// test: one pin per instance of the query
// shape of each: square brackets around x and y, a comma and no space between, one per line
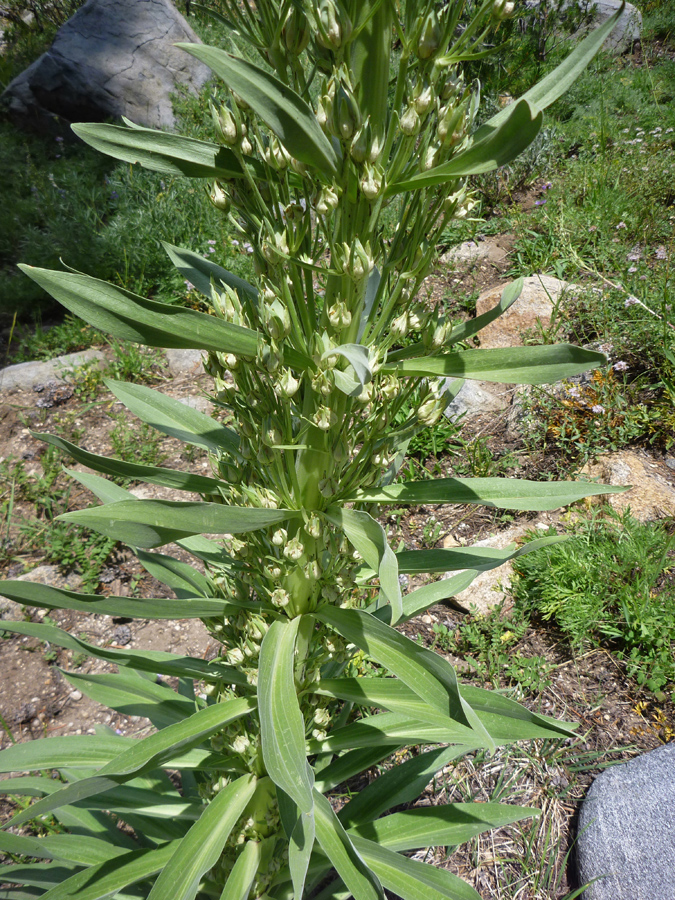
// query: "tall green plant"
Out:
[315,361]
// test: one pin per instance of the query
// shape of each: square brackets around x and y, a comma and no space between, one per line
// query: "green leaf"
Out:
[202,846]
[130,317]
[480,558]
[400,784]
[241,878]
[513,365]
[508,721]
[342,768]
[201,272]
[152,523]
[181,481]
[183,579]
[106,491]
[411,879]
[46,597]
[108,878]
[431,677]
[42,875]
[497,493]
[178,420]
[156,661]
[160,151]
[359,360]
[472,326]
[370,540]
[395,731]
[339,848]
[74,751]
[497,145]
[440,826]
[300,849]
[280,108]
[418,601]
[557,82]
[144,755]
[282,727]
[133,695]
[83,850]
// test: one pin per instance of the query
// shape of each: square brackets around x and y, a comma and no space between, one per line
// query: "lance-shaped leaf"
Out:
[282,727]
[421,599]
[496,493]
[143,755]
[47,597]
[170,416]
[202,272]
[359,360]
[514,365]
[181,481]
[202,846]
[430,676]
[240,880]
[81,849]
[130,317]
[183,579]
[440,826]
[300,848]
[497,146]
[37,875]
[161,151]
[156,661]
[411,879]
[557,82]
[280,108]
[81,751]
[370,540]
[152,523]
[338,847]
[108,878]
[133,695]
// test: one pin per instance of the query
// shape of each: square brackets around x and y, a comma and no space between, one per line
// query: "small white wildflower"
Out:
[621,225]
[631,301]
[597,409]
[620,366]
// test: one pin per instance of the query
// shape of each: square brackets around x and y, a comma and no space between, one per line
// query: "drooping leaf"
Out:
[200,272]
[84,850]
[421,599]
[395,730]
[152,523]
[161,151]
[172,417]
[155,661]
[280,108]
[183,579]
[202,846]
[240,880]
[498,145]
[496,493]
[369,539]
[46,597]
[300,848]
[181,481]
[130,317]
[282,726]
[359,360]
[514,365]
[472,326]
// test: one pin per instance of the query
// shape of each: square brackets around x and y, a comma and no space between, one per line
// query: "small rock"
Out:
[26,713]
[75,695]
[185,362]
[627,830]
[475,398]
[535,305]
[122,635]
[25,376]
[468,251]
[652,494]
[449,541]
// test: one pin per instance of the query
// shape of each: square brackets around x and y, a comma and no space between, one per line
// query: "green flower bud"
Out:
[324,418]
[502,9]
[313,526]
[287,386]
[296,32]
[423,96]
[409,122]
[430,411]
[371,181]
[326,201]
[227,128]
[280,537]
[334,25]
[339,316]
[345,117]
[280,598]
[399,326]
[294,549]
[219,197]
[277,320]
[430,37]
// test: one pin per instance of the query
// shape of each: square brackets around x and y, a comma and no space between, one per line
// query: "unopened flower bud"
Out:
[345,117]
[371,181]
[502,9]
[409,122]
[296,32]
[294,549]
[313,526]
[226,125]
[235,657]
[335,26]
[240,744]
[422,98]
[280,537]
[430,411]
[324,418]
[399,326]
[287,385]
[326,201]
[430,36]
[280,598]
[339,316]
[219,197]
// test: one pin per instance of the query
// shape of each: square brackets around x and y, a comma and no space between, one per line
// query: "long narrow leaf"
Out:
[153,523]
[180,481]
[201,847]
[130,317]
[280,108]
[339,848]
[497,493]
[514,365]
[240,880]
[201,272]
[282,726]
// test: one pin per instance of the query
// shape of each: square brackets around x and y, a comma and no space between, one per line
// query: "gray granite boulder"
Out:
[627,830]
[113,58]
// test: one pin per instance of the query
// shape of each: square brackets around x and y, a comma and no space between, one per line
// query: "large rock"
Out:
[29,375]
[627,830]
[626,31]
[537,301]
[113,58]
[652,494]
